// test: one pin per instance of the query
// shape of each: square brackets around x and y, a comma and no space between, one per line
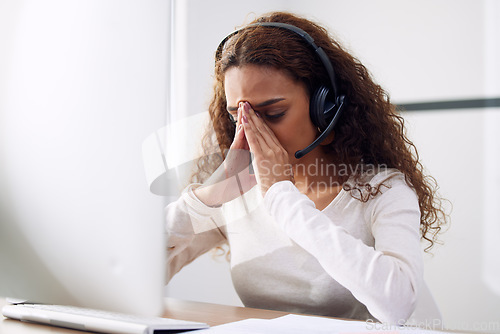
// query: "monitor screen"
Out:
[83,84]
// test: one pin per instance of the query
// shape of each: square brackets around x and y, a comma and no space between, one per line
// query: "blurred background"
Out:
[159,55]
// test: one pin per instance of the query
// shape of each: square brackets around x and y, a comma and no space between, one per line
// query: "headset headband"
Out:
[310,41]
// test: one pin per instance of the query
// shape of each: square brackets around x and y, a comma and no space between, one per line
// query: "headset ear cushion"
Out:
[320,109]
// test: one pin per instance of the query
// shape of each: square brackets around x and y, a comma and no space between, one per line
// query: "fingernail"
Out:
[239,127]
[246,107]
[258,115]
[245,119]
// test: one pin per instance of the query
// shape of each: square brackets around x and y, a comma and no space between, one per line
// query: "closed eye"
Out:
[275,117]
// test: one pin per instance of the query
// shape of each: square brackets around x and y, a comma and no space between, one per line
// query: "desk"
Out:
[212,314]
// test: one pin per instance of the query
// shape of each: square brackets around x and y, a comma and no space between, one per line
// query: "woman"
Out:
[334,232]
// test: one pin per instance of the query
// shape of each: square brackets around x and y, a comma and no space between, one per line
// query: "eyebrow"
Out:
[260,105]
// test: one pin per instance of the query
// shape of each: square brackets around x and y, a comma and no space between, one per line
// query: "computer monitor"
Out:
[83,84]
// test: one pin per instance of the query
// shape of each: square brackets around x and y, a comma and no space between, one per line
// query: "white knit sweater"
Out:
[353,259]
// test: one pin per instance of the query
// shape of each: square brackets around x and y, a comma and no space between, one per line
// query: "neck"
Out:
[315,171]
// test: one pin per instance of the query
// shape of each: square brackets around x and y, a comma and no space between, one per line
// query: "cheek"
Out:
[294,134]
[303,126]
[283,133]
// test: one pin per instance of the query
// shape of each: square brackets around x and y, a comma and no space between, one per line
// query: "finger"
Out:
[244,140]
[240,140]
[239,134]
[261,128]
[240,110]
[239,125]
[257,143]
[264,128]
[254,139]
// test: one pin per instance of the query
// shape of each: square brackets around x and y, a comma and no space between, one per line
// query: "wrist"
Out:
[265,188]
[204,195]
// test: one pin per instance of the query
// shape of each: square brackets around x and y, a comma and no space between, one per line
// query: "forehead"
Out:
[255,84]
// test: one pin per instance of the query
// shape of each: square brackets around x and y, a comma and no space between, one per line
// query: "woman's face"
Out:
[282,102]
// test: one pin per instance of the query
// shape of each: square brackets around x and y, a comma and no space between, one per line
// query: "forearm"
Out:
[226,185]
[192,229]
[385,278]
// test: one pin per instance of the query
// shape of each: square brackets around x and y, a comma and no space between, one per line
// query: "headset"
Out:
[326,104]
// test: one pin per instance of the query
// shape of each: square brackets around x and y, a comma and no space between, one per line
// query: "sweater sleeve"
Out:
[192,228]
[386,277]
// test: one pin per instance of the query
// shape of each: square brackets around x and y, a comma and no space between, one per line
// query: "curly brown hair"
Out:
[370,130]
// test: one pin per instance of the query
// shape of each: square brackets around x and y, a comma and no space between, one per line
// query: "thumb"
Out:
[239,141]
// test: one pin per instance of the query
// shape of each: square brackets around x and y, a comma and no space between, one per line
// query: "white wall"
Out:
[419,51]
[491,139]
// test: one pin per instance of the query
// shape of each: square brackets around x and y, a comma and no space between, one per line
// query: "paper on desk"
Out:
[321,325]
[260,326]
[317,324]
[297,324]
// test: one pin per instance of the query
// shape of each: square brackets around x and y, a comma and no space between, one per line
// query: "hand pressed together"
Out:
[233,178]
[270,159]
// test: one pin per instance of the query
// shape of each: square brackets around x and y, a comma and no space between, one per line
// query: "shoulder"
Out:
[390,205]
[380,184]
[369,177]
